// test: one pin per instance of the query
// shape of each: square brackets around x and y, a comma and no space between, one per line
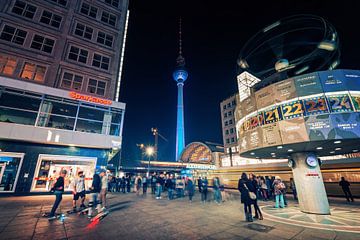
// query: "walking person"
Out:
[222,192]
[216,185]
[293,188]
[190,189]
[79,190]
[254,187]
[345,185]
[104,186]
[244,187]
[94,194]
[278,186]
[58,189]
[199,184]
[170,185]
[264,188]
[204,190]
[144,184]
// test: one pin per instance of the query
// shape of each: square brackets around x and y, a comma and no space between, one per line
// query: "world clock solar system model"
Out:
[302,108]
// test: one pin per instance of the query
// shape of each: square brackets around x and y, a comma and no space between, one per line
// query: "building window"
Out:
[226,132]
[232,140]
[71,81]
[96,87]
[229,113]
[233,102]
[60,2]
[227,141]
[114,3]
[101,61]
[7,65]
[105,39]
[230,121]
[24,9]
[51,19]
[229,105]
[225,115]
[88,10]
[42,43]
[224,107]
[33,72]
[14,35]
[77,54]
[83,31]
[231,130]
[226,123]
[108,18]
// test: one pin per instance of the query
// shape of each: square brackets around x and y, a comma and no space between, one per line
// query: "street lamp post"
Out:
[149,152]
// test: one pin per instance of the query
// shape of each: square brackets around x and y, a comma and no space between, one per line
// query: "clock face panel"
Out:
[311,160]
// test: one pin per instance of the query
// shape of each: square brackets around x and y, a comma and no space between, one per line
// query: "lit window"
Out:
[14,35]
[72,81]
[7,65]
[60,2]
[105,39]
[88,10]
[77,54]
[33,72]
[96,87]
[108,18]
[24,9]
[83,31]
[42,43]
[101,61]
[51,19]
[114,3]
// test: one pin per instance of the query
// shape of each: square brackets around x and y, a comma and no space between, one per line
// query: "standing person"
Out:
[153,183]
[79,190]
[222,192]
[170,187]
[293,188]
[204,190]
[190,189]
[144,184]
[159,184]
[94,194]
[128,183]
[199,184]
[268,185]
[216,185]
[253,188]
[138,184]
[123,184]
[278,186]
[244,186]
[58,189]
[264,188]
[104,186]
[345,185]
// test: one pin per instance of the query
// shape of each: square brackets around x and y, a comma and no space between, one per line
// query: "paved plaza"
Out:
[144,217]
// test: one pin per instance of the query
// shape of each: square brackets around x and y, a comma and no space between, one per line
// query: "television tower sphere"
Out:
[180,74]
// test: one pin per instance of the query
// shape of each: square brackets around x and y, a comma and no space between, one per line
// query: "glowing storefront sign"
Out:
[87,98]
[200,166]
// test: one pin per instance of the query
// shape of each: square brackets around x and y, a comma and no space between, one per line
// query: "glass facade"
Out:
[48,111]
[9,167]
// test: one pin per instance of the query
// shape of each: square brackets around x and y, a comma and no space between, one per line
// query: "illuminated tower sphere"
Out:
[180,75]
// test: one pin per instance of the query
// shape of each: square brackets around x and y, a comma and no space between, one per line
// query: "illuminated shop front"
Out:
[53,129]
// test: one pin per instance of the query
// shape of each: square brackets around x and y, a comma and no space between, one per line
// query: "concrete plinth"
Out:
[309,185]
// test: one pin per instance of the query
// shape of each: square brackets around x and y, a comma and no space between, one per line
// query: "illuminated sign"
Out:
[200,166]
[87,98]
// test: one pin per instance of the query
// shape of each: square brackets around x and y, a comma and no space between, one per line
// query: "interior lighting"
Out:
[327,45]
[319,148]
[332,152]
[279,147]
[252,153]
[337,149]
[290,150]
[355,150]
[337,142]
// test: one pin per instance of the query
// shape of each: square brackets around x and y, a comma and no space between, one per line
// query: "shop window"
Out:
[96,87]
[88,10]
[101,61]
[42,43]
[20,102]
[51,19]
[33,72]
[12,34]
[104,39]
[60,2]
[7,65]
[89,126]
[77,54]
[9,168]
[115,130]
[24,9]
[108,18]
[91,113]
[59,108]
[83,31]
[114,3]
[71,81]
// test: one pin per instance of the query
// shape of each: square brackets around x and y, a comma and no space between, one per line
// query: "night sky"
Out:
[213,35]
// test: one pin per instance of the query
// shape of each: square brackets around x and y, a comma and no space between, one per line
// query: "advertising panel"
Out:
[340,103]
[284,90]
[307,84]
[272,115]
[355,98]
[271,135]
[252,139]
[248,106]
[319,127]
[292,109]
[346,125]
[265,96]
[333,81]
[352,79]
[315,106]
[293,131]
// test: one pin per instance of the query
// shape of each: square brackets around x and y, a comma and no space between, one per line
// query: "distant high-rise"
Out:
[180,75]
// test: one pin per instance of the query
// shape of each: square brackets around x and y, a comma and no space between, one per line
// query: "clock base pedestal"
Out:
[309,184]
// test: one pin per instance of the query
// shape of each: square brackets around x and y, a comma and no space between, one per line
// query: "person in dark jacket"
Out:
[199,184]
[170,185]
[94,192]
[123,184]
[58,190]
[244,186]
[345,185]
[204,189]
[128,183]
[190,189]
[254,187]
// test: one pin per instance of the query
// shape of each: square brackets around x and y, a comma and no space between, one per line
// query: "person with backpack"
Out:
[279,186]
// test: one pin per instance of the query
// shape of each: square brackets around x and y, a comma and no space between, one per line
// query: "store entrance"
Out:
[49,167]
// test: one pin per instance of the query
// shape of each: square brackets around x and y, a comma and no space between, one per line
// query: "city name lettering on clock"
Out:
[87,98]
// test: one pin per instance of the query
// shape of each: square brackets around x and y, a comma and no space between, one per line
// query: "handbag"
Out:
[252,195]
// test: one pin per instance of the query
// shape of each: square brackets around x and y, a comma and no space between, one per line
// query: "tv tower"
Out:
[180,75]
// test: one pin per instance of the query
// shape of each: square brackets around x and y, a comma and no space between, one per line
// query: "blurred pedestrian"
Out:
[58,189]
[278,186]
[345,185]
[190,189]
[244,186]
